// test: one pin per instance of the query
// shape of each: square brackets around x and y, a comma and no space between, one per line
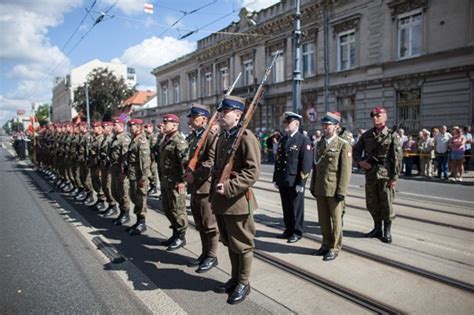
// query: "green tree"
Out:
[106,92]
[42,114]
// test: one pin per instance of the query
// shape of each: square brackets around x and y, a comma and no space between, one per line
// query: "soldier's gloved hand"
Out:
[339,198]
[299,189]
[275,185]
[188,177]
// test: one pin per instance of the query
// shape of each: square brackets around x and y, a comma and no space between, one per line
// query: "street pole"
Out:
[87,106]
[326,57]
[297,78]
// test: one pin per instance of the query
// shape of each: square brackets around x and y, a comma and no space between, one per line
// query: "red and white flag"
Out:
[148,8]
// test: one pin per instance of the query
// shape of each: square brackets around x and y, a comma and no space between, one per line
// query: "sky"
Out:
[44,39]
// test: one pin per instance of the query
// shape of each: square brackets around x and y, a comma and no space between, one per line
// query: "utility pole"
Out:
[326,56]
[297,78]
[87,106]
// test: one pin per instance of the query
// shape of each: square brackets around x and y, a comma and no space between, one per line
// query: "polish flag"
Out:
[148,8]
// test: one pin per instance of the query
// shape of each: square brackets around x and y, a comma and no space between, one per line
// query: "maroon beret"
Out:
[119,120]
[135,121]
[97,124]
[83,123]
[107,123]
[170,118]
[378,110]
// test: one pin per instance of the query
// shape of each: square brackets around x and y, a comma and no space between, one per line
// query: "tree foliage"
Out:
[42,114]
[106,92]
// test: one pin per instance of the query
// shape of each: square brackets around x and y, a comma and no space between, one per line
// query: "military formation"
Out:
[118,163]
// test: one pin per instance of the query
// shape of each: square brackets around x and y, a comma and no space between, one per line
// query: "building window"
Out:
[193,86]
[346,50]
[278,72]
[308,60]
[224,81]
[176,91]
[164,94]
[208,86]
[409,34]
[248,72]
[409,103]
[346,106]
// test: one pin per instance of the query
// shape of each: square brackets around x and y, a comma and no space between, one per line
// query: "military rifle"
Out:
[193,161]
[244,122]
[371,158]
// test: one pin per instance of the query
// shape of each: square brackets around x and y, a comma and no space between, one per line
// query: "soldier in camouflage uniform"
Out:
[138,171]
[152,139]
[75,165]
[120,184]
[379,153]
[331,176]
[199,184]
[105,175]
[70,181]
[94,164]
[233,201]
[173,156]
[83,159]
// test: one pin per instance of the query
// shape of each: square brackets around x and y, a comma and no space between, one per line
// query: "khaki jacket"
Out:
[138,158]
[238,198]
[332,173]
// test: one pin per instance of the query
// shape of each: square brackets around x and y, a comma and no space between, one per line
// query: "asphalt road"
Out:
[47,266]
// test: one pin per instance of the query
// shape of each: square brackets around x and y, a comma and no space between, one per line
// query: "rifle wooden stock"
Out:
[244,122]
[193,161]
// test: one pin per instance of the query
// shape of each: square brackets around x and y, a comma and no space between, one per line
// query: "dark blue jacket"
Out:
[293,162]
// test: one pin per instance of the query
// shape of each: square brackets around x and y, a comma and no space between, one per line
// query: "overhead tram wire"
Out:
[185,14]
[53,63]
[97,21]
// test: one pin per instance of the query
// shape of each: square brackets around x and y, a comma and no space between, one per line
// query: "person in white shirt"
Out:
[441,151]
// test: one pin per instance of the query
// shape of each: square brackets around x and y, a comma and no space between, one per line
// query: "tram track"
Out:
[395,203]
[390,262]
[462,228]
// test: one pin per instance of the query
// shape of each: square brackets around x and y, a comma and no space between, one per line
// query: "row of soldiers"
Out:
[108,170]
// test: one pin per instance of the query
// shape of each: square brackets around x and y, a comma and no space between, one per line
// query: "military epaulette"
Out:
[343,140]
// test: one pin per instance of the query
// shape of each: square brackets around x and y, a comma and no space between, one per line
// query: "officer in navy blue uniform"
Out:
[292,168]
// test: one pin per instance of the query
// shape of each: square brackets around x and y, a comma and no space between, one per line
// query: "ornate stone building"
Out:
[416,58]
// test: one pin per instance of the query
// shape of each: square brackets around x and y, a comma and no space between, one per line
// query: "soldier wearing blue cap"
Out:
[292,168]
[332,171]
[232,201]
[199,185]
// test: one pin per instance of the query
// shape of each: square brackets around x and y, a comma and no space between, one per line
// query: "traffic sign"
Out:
[312,114]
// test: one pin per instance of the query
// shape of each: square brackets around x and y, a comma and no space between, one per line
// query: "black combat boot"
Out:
[122,219]
[377,230]
[139,228]
[387,231]
[171,239]
[177,243]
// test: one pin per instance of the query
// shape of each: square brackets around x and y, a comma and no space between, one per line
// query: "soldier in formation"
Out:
[138,170]
[378,152]
[173,157]
[331,176]
[232,201]
[199,184]
[292,168]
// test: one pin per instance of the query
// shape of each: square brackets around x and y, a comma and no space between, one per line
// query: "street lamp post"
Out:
[87,106]
[297,77]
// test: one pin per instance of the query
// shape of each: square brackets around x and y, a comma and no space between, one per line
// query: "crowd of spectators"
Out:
[439,152]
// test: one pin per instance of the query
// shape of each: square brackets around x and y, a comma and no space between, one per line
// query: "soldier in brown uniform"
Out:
[120,185]
[379,153]
[233,201]
[331,176]
[105,175]
[199,183]
[138,170]
[173,157]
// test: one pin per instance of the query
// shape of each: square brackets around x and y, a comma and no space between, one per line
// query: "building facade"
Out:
[413,57]
[63,90]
